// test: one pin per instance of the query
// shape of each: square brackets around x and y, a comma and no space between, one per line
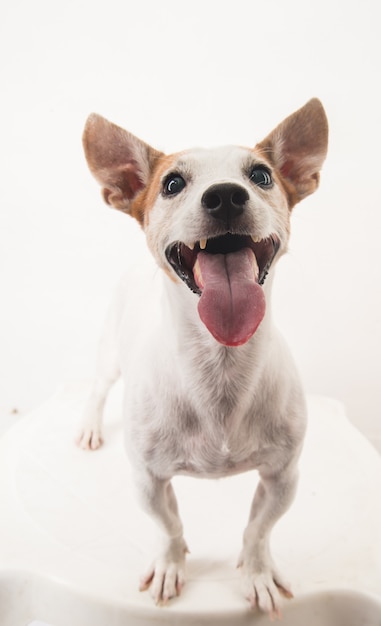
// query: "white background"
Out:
[180,74]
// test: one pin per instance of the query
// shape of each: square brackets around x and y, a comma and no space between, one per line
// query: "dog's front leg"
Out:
[166,575]
[263,585]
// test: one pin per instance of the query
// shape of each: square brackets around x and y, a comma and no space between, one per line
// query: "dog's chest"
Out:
[206,450]
[199,419]
[214,459]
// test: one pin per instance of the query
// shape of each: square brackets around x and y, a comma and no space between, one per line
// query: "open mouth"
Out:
[227,273]
[183,258]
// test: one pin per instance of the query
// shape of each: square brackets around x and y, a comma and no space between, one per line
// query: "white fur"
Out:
[192,405]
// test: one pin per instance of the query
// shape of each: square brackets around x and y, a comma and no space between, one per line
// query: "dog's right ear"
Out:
[120,162]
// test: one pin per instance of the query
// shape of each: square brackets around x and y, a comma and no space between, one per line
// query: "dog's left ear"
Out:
[120,162]
[297,149]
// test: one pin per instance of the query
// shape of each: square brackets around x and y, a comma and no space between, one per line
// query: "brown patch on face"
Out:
[286,186]
[289,189]
[146,198]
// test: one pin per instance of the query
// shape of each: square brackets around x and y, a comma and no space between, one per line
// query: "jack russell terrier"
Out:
[210,387]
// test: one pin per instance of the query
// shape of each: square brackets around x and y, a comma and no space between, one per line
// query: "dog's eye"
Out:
[173,184]
[261,176]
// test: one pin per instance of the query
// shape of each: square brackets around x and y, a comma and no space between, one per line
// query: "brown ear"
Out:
[297,149]
[120,162]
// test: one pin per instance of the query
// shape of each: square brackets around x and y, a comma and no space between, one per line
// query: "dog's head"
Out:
[216,219]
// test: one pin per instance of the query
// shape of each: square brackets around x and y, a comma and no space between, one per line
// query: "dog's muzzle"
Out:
[227,272]
[182,258]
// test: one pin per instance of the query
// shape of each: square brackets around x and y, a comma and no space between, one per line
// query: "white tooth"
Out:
[203,244]
[255,239]
[191,246]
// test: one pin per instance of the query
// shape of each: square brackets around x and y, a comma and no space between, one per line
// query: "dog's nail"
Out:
[143,586]
[275,615]
[180,582]
[286,593]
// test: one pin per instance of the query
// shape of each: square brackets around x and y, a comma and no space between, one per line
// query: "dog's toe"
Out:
[165,583]
[89,439]
[264,592]
[166,577]
[173,582]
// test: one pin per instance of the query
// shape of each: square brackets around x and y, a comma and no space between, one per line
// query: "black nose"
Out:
[225,201]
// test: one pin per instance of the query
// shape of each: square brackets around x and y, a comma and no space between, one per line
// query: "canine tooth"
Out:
[203,244]
[191,246]
[255,239]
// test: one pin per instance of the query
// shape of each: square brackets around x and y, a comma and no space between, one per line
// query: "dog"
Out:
[210,387]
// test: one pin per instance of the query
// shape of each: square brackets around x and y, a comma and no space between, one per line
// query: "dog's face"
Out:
[217,219]
[219,201]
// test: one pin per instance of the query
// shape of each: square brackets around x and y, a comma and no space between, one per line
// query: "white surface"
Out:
[73,541]
[321,609]
[180,74]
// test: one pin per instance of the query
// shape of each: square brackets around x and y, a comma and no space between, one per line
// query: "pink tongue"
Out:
[232,304]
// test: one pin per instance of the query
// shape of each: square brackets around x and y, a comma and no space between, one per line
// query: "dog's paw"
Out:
[89,439]
[264,590]
[166,576]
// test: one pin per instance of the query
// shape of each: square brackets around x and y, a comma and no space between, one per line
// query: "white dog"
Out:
[210,387]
